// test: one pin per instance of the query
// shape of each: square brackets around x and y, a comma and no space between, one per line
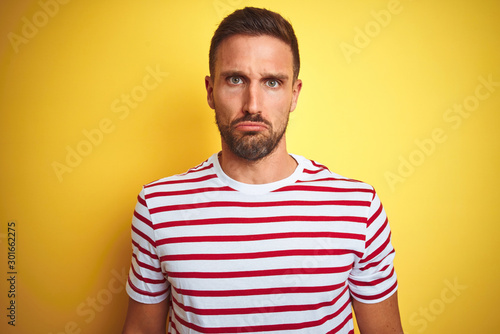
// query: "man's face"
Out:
[253,93]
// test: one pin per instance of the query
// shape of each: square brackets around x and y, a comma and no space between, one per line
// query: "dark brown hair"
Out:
[255,22]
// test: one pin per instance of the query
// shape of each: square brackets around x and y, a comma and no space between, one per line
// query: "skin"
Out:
[253,77]
[379,318]
[146,318]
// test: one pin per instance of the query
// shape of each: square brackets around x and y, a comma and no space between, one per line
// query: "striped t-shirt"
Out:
[282,257]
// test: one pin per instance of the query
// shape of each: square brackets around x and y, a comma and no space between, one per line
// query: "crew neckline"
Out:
[257,189]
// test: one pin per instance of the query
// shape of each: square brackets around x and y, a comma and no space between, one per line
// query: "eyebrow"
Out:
[231,74]
[278,76]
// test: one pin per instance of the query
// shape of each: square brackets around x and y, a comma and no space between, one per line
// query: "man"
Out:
[256,239]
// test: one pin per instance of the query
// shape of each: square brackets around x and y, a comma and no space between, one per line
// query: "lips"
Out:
[251,126]
[251,123]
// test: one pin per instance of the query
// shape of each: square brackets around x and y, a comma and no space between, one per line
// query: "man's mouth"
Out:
[254,123]
[251,126]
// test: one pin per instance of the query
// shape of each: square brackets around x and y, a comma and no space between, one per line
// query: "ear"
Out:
[209,86]
[297,86]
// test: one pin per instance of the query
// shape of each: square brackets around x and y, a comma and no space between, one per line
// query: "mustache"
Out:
[251,118]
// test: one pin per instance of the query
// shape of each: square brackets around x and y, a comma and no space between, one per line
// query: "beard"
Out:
[251,145]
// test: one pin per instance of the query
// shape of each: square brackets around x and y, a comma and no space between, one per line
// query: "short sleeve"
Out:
[373,278]
[146,282]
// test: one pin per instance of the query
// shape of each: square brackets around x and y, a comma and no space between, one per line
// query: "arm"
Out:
[146,281]
[146,318]
[378,318]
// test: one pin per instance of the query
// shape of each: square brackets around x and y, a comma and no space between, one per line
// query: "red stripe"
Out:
[260,273]
[172,323]
[143,235]
[259,255]
[312,172]
[259,237]
[189,171]
[258,220]
[221,204]
[144,250]
[320,166]
[377,296]
[141,201]
[323,189]
[145,265]
[147,293]
[374,282]
[375,215]
[378,251]
[198,169]
[143,219]
[187,192]
[146,280]
[341,325]
[268,328]
[378,233]
[328,179]
[261,309]
[198,179]
[257,292]
[376,264]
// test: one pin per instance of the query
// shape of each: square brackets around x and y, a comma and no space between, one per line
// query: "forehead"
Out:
[254,53]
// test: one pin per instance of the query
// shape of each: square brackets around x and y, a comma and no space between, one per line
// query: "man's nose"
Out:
[252,99]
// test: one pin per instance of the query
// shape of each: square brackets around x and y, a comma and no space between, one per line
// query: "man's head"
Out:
[255,22]
[253,84]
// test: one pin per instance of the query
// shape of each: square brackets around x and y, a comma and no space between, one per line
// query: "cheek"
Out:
[281,98]
[228,102]
[226,96]
[280,105]
[225,109]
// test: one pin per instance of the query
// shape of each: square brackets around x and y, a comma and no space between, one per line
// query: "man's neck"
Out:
[276,166]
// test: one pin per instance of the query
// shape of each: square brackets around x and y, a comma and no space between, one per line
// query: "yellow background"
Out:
[369,114]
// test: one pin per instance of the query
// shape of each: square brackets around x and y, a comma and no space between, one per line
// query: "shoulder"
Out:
[318,174]
[199,173]
[180,188]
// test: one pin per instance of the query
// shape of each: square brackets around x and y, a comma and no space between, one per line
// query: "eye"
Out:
[272,83]
[235,80]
